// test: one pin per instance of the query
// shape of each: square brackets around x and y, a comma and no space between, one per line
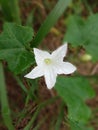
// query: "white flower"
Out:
[49,65]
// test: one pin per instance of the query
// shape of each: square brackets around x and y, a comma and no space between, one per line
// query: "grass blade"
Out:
[30,19]
[40,123]
[42,105]
[21,84]
[10,9]
[50,21]
[4,101]
[60,117]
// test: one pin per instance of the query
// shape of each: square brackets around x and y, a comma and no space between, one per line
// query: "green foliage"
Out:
[14,47]
[75,91]
[74,32]
[78,126]
[38,126]
[30,19]
[5,110]
[40,106]
[60,117]
[10,9]
[50,21]
[83,32]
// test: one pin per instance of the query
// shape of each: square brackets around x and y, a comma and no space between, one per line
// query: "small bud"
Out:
[86,57]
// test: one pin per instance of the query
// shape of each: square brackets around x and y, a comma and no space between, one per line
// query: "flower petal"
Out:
[40,55]
[50,77]
[60,53]
[35,73]
[65,68]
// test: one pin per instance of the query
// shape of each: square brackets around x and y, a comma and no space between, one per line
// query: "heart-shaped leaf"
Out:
[13,47]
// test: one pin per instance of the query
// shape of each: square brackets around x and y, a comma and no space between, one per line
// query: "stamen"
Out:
[47,61]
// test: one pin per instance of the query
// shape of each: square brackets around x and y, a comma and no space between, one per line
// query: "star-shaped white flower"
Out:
[50,65]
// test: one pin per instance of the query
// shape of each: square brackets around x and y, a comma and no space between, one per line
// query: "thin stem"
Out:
[5,109]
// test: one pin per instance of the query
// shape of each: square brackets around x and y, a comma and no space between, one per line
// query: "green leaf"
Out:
[83,32]
[74,32]
[50,20]
[13,47]
[74,91]
[78,126]
[91,36]
[5,110]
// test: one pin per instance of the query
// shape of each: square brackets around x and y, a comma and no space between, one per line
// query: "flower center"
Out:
[47,61]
